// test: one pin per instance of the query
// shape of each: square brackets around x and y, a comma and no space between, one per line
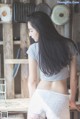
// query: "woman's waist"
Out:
[57,86]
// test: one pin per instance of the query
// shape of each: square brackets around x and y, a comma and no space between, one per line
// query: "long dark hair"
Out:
[54,52]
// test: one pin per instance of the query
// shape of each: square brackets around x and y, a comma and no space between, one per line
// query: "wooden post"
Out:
[8,53]
[24,68]
[24,38]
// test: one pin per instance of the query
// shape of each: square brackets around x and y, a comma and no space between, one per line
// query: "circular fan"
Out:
[60,14]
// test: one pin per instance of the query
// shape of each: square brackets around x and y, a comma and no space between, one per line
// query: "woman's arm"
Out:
[73,82]
[73,78]
[32,79]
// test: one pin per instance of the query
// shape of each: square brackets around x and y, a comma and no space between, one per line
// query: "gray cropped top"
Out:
[63,74]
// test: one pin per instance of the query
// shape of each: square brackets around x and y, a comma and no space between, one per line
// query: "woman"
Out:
[52,53]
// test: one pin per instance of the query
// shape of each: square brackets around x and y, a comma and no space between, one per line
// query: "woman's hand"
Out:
[73,105]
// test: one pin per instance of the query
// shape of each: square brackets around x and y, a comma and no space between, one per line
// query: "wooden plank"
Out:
[14,42]
[16,61]
[2,79]
[14,105]
[8,53]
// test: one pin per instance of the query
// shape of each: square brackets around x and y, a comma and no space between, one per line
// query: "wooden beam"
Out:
[16,61]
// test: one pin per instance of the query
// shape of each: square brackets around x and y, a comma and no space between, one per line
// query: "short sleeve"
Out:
[73,49]
[32,51]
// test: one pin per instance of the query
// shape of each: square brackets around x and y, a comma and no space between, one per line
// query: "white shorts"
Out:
[46,103]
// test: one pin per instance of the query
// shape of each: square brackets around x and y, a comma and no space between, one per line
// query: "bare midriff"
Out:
[59,86]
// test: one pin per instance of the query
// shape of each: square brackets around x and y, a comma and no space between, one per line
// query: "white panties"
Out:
[46,103]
